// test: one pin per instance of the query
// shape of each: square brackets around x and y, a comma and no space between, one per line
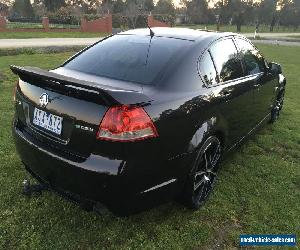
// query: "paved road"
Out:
[45,42]
[277,42]
[62,42]
[272,35]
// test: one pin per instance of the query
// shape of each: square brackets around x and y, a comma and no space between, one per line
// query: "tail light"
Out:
[125,123]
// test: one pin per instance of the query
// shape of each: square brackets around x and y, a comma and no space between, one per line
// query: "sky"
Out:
[176,2]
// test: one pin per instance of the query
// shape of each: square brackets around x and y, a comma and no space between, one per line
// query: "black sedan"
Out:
[143,116]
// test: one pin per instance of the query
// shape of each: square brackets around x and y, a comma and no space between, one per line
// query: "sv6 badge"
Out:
[84,128]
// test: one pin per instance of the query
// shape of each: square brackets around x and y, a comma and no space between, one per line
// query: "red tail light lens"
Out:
[125,123]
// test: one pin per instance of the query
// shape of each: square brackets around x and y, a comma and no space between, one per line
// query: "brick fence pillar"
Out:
[109,23]
[155,23]
[2,23]
[83,24]
[150,21]
[45,22]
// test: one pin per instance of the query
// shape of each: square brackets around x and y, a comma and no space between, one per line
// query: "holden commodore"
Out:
[143,116]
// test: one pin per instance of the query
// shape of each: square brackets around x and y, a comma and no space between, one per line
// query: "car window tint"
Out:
[226,59]
[130,57]
[254,61]
[207,69]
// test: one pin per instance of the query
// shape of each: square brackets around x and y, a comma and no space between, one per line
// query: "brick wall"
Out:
[2,23]
[155,23]
[45,22]
[99,25]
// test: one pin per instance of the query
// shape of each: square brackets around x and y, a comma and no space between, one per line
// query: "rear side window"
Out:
[130,57]
[254,61]
[227,60]
[207,70]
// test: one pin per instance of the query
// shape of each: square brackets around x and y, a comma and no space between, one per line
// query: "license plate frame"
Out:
[47,121]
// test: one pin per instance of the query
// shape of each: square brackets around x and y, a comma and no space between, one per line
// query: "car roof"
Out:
[179,33]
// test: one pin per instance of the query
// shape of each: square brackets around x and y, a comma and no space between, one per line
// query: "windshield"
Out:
[129,57]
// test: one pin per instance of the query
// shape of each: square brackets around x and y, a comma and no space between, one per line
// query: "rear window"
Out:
[129,57]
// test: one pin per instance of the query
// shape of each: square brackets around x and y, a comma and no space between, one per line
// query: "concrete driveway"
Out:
[277,42]
[272,35]
[46,42]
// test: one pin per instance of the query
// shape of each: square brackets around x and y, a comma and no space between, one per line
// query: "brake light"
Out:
[126,123]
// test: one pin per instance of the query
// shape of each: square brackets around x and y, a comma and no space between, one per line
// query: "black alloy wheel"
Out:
[278,107]
[204,173]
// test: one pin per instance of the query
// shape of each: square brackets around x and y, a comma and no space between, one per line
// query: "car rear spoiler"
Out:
[106,94]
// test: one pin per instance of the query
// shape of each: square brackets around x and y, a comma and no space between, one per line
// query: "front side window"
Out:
[227,60]
[254,61]
[207,69]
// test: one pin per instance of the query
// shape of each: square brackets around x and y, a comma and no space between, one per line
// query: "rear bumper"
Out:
[114,182]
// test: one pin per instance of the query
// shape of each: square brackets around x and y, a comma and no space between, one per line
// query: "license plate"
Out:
[47,121]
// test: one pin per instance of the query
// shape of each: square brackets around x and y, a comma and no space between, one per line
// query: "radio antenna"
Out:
[151,36]
[151,31]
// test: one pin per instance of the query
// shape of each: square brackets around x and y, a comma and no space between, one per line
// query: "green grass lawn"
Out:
[245,28]
[42,34]
[258,189]
[72,34]
[19,25]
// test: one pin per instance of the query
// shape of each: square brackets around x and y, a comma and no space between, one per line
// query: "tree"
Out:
[86,7]
[148,5]
[223,10]
[53,5]
[5,3]
[297,12]
[240,12]
[165,7]
[118,6]
[266,12]
[39,8]
[4,7]
[132,11]
[22,8]
[289,13]
[198,11]
[105,7]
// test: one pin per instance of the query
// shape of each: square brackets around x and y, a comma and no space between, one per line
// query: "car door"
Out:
[263,81]
[229,86]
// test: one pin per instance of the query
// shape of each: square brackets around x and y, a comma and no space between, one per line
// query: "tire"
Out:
[275,112]
[203,173]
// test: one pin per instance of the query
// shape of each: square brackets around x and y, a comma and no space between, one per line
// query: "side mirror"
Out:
[275,68]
